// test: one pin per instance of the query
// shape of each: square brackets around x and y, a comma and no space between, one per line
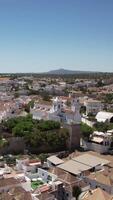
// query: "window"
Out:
[49,178]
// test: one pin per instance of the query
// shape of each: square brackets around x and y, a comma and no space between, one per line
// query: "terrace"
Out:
[36,184]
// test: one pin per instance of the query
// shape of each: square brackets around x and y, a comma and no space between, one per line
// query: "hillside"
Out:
[65,71]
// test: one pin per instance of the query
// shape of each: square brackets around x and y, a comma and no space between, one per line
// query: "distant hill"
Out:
[65,71]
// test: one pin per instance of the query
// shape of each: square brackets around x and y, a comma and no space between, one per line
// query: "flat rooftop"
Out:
[55,160]
[8,181]
[74,167]
[90,160]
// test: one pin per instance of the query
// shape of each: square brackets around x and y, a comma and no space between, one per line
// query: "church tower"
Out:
[74,127]
[57,106]
[75,107]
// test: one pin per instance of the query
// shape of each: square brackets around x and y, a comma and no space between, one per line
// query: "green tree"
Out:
[76,191]
[103,126]
[68,103]
[3,142]
[29,105]
[86,130]
[83,109]
[108,98]
[9,124]
[37,133]
[63,136]
[42,157]
[46,96]
[100,83]
[16,95]
[22,128]
[48,125]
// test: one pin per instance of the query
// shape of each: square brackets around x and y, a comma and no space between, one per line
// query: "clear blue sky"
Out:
[40,35]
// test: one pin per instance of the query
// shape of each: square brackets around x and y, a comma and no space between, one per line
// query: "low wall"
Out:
[95,147]
[32,175]
[86,121]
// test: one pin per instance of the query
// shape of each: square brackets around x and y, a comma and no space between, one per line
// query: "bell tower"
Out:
[75,107]
[74,104]
[57,106]
[74,126]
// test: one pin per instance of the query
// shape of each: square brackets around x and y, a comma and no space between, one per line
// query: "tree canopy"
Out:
[86,130]
[37,133]
[103,126]
[109,98]
[76,191]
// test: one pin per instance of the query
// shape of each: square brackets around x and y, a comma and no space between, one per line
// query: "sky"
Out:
[43,35]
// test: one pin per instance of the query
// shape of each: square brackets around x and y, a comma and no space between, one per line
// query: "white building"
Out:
[46,176]
[58,111]
[93,106]
[26,165]
[104,116]
[99,142]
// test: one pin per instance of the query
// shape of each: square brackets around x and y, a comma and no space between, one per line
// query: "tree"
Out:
[10,160]
[48,125]
[83,110]
[22,128]
[100,83]
[35,139]
[29,105]
[103,126]
[27,108]
[33,92]
[63,136]
[86,130]
[37,133]
[76,191]
[16,95]
[3,142]
[42,157]
[9,124]
[68,103]
[109,98]
[46,96]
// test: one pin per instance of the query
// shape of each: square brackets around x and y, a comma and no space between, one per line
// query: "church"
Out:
[58,111]
[68,116]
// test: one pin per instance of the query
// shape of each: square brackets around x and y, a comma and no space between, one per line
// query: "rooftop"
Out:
[12,181]
[102,116]
[8,181]
[55,160]
[101,178]
[74,167]
[97,194]
[90,160]
[17,193]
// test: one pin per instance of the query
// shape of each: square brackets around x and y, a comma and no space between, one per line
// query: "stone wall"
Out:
[15,145]
[75,135]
